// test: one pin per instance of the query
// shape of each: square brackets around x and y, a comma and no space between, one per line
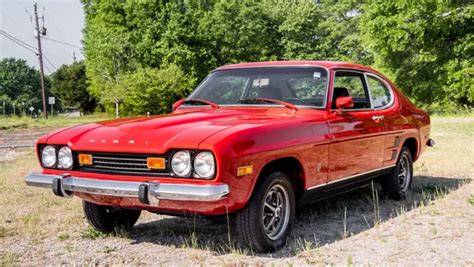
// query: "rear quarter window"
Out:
[379,92]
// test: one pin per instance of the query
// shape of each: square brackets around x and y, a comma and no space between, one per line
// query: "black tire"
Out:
[107,219]
[397,184]
[252,219]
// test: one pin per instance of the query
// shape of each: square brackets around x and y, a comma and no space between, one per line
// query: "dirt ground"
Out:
[433,226]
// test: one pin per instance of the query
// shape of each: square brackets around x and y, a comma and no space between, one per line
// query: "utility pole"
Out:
[40,56]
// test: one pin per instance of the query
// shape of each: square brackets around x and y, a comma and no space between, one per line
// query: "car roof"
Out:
[302,63]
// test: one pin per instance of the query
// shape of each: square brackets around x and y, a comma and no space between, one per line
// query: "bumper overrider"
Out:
[147,192]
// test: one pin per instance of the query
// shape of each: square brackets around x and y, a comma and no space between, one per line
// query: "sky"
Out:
[63,20]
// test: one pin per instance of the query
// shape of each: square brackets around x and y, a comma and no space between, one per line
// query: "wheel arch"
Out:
[412,144]
[291,166]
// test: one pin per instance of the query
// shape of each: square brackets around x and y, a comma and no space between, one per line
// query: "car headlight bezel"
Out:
[183,158]
[204,165]
[65,158]
[51,155]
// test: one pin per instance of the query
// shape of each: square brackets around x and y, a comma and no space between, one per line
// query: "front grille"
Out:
[120,163]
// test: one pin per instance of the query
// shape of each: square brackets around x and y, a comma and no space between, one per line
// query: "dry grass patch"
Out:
[26,122]
[356,228]
[30,211]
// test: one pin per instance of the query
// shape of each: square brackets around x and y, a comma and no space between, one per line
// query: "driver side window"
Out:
[351,84]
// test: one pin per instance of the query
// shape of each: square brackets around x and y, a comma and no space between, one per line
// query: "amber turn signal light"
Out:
[244,170]
[85,159]
[156,163]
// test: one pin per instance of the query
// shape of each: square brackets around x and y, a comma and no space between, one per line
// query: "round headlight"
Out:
[65,158]
[181,163]
[204,165]
[48,156]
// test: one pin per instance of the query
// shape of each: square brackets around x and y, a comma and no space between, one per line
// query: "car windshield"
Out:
[304,86]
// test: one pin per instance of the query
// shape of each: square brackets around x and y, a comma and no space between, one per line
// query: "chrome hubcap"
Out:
[276,212]
[404,173]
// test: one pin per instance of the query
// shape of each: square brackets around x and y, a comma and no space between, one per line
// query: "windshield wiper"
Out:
[269,100]
[194,101]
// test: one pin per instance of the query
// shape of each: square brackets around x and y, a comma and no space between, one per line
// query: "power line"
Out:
[64,43]
[49,61]
[19,43]
[28,47]
[18,2]
[50,18]
[26,10]
[8,16]
[46,66]
[18,40]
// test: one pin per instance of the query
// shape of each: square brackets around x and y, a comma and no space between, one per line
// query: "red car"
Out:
[253,139]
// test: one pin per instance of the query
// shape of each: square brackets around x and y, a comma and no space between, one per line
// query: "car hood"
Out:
[157,134]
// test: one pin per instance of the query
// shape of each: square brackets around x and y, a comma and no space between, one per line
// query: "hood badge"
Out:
[116,141]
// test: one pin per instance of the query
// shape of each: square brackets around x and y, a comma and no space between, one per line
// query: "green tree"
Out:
[69,82]
[108,48]
[19,85]
[154,90]
[425,46]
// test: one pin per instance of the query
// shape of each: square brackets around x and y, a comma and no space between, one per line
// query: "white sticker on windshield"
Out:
[260,82]
[316,74]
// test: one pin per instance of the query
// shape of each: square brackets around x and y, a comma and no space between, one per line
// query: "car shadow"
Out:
[317,224]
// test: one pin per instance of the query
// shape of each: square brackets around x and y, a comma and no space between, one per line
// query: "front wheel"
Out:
[107,219]
[265,223]
[397,184]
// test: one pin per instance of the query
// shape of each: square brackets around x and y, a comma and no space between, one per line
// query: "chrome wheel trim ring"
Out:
[404,173]
[276,212]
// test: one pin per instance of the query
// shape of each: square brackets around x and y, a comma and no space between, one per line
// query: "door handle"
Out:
[377,117]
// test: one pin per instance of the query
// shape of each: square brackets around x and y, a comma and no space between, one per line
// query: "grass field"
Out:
[19,123]
[433,226]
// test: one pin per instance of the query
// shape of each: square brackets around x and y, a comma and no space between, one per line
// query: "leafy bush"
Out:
[424,47]
[155,90]
[69,82]
[148,90]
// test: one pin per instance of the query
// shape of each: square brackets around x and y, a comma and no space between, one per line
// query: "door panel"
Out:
[357,144]
[386,108]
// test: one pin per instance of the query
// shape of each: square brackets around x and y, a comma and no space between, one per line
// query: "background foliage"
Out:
[145,54]
[19,87]
[425,47]
[69,82]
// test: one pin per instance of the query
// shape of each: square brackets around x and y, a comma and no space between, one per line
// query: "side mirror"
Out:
[344,102]
[178,103]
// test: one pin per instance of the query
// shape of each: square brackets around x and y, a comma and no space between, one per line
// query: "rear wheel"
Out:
[397,184]
[107,219]
[264,224]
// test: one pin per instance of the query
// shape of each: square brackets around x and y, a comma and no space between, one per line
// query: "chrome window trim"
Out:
[255,106]
[368,90]
[325,98]
[392,95]
[366,83]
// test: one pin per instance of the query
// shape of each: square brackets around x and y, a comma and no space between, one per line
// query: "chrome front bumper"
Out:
[147,192]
